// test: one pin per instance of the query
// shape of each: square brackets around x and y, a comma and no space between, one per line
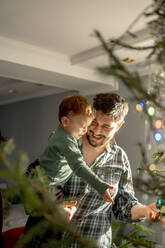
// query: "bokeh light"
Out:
[158,124]
[158,136]
[151,111]
[139,108]
[152,167]
[141,104]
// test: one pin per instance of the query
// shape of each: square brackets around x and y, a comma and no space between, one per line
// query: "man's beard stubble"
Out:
[94,144]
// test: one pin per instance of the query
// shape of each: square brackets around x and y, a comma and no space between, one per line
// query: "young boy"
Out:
[62,156]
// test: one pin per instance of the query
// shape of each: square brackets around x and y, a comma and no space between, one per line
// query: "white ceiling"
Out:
[50,43]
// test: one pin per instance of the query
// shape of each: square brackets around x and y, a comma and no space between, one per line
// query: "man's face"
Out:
[102,129]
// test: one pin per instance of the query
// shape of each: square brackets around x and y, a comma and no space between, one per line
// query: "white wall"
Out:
[30,122]
[132,131]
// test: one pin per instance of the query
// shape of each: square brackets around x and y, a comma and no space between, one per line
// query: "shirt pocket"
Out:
[110,174]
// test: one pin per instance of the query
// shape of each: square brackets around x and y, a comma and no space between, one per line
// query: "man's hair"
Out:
[112,105]
[75,104]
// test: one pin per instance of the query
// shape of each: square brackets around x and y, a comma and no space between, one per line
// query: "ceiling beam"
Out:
[135,38]
[22,61]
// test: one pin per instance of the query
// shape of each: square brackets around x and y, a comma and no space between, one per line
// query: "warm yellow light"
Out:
[12,91]
[139,108]
[162,210]
[152,167]
[128,60]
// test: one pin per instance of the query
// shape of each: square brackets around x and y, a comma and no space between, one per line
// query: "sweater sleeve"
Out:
[75,160]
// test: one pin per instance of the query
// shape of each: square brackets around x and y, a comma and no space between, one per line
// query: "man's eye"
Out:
[94,122]
[106,128]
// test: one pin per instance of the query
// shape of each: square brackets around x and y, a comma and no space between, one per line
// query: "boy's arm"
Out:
[76,162]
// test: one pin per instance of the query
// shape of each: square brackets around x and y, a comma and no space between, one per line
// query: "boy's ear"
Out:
[64,121]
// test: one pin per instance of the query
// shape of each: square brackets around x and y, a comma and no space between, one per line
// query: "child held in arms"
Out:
[62,156]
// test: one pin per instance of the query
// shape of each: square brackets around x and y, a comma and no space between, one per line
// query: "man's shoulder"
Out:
[116,149]
[120,150]
[118,155]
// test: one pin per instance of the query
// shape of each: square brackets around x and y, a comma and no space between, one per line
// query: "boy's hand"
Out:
[70,209]
[106,196]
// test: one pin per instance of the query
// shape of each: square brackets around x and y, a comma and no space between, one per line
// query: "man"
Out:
[93,216]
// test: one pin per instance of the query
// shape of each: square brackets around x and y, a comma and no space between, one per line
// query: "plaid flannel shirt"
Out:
[93,216]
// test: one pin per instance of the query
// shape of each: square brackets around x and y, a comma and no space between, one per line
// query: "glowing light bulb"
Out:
[141,104]
[151,111]
[160,205]
[139,108]
[158,124]
[152,167]
[158,136]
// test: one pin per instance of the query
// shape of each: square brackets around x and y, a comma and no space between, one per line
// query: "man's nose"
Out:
[97,129]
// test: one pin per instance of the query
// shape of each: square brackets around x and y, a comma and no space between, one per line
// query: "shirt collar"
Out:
[111,146]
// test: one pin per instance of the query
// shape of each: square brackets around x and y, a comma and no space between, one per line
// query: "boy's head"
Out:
[75,115]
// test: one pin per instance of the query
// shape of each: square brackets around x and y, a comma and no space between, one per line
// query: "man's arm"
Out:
[125,198]
[139,212]
[144,211]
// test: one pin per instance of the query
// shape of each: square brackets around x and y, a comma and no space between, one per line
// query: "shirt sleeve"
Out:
[125,198]
[76,162]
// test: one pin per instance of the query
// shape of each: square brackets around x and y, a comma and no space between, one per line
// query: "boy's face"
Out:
[77,125]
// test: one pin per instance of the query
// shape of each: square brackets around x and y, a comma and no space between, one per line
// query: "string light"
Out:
[158,136]
[152,167]
[151,111]
[160,205]
[140,106]
[158,124]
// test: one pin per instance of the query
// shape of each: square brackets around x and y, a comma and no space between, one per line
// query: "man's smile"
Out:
[96,137]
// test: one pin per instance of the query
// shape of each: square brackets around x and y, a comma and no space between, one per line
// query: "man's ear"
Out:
[65,121]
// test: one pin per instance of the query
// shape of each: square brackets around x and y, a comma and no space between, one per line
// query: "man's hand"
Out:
[152,213]
[149,211]
[106,196]
[70,209]
[162,220]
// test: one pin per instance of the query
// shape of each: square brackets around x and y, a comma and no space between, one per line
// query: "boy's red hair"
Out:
[75,104]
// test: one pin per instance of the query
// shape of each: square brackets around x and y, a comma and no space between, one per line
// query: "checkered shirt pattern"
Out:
[93,216]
